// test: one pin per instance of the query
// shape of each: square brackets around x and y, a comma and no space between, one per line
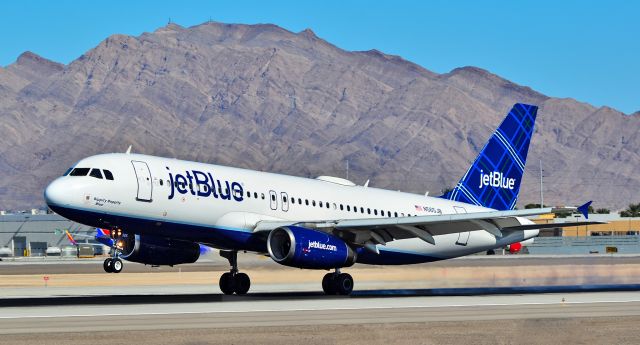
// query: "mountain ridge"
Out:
[263,97]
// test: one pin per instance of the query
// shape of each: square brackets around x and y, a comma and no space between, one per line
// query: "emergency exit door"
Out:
[143,175]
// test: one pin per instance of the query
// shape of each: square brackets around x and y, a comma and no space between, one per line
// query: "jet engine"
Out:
[305,248]
[154,250]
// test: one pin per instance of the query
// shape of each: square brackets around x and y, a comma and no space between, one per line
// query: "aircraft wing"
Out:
[382,230]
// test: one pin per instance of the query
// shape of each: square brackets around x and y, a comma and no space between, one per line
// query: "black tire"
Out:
[116,265]
[227,284]
[107,264]
[491,252]
[243,283]
[344,284]
[328,284]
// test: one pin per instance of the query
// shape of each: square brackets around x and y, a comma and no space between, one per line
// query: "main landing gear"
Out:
[337,283]
[233,281]
[114,264]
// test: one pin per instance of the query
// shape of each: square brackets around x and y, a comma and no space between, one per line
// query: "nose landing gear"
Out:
[337,283]
[233,281]
[114,264]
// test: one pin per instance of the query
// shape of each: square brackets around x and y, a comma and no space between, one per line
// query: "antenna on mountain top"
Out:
[169,20]
[129,149]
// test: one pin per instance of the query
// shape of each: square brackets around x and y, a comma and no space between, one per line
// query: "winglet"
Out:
[129,149]
[584,209]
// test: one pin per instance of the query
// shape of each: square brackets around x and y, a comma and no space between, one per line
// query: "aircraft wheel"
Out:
[108,265]
[116,265]
[344,284]
[227,283]
[328,284]
[243,283]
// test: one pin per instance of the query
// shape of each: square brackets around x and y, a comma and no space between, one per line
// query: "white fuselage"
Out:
[174,198]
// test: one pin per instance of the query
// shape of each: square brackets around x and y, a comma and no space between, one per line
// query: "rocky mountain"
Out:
[261,97]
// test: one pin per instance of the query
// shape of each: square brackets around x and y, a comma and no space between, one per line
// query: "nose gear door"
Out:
[143,176]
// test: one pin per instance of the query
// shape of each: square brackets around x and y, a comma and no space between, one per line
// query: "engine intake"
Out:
[154,250]
[305,248]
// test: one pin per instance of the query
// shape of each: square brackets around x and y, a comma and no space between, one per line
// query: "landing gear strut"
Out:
[114,264]
[337,283]
[233,281]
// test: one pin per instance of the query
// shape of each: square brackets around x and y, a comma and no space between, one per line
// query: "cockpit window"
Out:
[96,173]
[79,172]
[68,171]
[108,175]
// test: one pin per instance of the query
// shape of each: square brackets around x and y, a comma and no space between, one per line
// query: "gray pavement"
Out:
[313,310]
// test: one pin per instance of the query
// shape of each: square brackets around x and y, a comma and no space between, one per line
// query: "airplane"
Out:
[159,210]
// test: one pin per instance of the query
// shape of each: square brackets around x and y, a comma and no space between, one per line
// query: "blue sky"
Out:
[581,49]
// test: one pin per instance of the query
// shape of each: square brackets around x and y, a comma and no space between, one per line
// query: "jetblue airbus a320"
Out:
[159,211]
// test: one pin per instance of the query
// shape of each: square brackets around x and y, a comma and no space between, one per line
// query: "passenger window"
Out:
[341,209]
[328,205]
[248,194]
[313,202]
[299,201]
[96,173]
[348,208]
[262,194]
[306,202]
[361,209]
[368,211]
[109,176]
[273,197]
[255,195]
[293,200]
[161,181]
[375,212]
[79,172]
[395,214]
[284,198]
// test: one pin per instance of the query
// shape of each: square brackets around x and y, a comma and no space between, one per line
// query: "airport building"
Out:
[33,234]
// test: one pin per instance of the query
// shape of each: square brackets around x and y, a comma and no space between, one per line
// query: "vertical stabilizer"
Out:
[493,180]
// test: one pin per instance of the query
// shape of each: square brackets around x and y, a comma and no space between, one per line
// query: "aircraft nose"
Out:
[55,192]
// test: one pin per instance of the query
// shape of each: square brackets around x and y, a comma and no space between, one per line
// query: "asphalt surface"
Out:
[199,314]
[321,319]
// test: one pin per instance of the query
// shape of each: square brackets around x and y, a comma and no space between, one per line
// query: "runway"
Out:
[273,312]
[471,301]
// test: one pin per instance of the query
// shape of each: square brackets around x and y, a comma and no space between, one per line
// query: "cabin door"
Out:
[143,176]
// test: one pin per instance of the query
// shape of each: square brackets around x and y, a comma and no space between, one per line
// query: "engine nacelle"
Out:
[154,250]
[305,248]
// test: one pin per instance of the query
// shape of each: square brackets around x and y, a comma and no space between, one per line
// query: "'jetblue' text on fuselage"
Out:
[204,185]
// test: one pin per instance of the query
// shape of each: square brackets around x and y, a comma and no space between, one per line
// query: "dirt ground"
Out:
[422,276]
[622,330]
